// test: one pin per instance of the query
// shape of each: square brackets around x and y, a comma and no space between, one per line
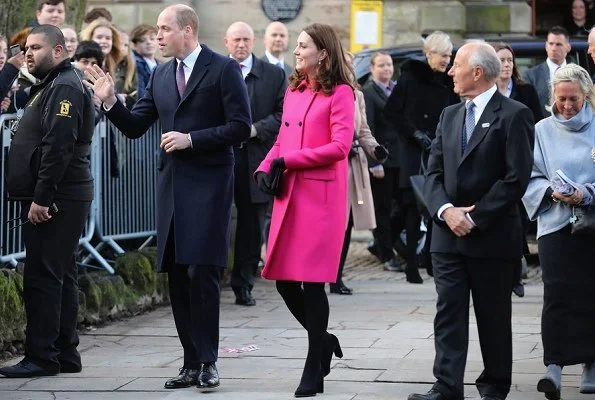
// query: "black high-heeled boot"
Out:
[331,346]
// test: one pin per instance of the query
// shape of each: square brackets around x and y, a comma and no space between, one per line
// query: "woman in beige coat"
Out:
[360,203]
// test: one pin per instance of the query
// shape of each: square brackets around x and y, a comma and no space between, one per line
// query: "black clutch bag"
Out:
[583,221]
[275,181]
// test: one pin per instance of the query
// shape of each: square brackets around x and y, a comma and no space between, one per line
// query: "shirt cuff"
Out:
[105,108]
[470,219]
[190,140]
[441,210]
[378,167]
[253,132]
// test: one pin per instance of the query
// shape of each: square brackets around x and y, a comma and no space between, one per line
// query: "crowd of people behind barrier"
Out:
[458,168]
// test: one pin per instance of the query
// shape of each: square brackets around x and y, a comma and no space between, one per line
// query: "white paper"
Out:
[366,27]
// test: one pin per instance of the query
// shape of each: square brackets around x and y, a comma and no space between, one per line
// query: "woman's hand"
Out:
[574,199]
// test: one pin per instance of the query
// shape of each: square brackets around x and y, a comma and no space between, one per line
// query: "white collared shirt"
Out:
[274,60]
[189,62]
[246,65]
[481,101]
[553,67]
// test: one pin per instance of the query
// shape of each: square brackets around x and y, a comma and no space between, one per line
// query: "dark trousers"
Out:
[384,191]
[51,286]
[410,210]
[250,225]
[194,293]
[490,284]
[344,251]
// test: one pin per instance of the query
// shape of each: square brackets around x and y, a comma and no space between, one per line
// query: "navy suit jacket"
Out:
[195,185]
[493,175]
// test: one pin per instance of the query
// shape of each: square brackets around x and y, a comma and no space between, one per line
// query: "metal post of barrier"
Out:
[127,208]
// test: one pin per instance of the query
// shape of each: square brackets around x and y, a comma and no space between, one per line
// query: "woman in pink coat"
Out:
[310,208]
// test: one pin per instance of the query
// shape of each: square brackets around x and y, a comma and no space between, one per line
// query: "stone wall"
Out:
[404,20]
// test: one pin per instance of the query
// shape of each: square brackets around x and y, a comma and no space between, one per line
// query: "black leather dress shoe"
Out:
[67,368]
[208,377]
[187,378]
[519,289]
[244,297]
[341,289]
[433,394]
[25,369]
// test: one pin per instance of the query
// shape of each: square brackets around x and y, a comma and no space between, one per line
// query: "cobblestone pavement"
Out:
[385,329]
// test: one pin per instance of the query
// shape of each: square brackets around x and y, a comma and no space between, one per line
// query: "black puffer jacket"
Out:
[416,104]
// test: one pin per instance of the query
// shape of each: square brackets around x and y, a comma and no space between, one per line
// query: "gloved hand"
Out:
[381,153]
[278,163]
[423,140]
[263,180]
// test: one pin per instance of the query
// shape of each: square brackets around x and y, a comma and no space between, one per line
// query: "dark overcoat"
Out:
[195,185]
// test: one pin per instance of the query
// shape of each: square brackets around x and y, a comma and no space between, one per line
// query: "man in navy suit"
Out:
[478,170]
[557,47]
[276,41]
[202,102]
[266,88]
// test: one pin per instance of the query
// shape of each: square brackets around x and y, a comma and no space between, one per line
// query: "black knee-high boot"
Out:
[317,312]
[293,295]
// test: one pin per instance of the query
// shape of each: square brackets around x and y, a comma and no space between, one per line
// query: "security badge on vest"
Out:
[64,109]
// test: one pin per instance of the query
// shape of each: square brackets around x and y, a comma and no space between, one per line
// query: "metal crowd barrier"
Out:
[123,206]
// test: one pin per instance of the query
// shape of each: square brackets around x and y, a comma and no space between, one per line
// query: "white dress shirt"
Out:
[274,60]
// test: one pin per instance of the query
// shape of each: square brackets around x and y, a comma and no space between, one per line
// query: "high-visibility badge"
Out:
[64,109]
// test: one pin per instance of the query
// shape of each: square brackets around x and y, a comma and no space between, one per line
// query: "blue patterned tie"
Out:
[469,124]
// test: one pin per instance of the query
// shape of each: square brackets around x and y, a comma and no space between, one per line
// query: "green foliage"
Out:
[137,271]
[12,309]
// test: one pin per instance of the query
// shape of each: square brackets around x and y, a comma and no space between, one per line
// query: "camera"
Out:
[14,50]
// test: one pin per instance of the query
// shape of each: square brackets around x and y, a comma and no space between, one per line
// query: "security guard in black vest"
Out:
[48,171]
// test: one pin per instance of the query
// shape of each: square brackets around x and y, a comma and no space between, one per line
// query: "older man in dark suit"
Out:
[202,102]
[557,47]
[478,170]
[266,88]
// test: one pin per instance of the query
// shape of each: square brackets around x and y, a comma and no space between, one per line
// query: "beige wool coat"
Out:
[360,202]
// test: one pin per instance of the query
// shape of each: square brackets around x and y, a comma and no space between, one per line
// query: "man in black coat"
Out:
[202,102]
[384,178]
[48,171]
[276,41]
[266,88]
[479,168]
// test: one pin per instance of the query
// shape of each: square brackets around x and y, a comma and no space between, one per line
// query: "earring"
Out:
[319,61]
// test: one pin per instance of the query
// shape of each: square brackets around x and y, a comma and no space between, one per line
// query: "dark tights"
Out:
[309,306]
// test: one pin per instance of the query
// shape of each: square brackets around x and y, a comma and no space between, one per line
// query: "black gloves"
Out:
[278,163]
[381,153]
[423,140]
[262,178]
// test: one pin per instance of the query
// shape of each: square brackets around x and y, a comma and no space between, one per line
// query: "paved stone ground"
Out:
[385,330]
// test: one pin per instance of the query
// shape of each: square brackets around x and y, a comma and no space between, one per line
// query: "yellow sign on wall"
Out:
[366,24]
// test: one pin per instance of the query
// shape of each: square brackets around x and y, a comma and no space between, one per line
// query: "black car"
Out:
[529,51]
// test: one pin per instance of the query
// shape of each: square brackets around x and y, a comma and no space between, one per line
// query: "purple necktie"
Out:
[180,79]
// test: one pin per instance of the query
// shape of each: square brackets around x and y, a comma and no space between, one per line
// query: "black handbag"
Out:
[275,182]
[583,221]
[417,184]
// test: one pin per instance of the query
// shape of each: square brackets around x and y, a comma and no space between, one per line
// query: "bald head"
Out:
[276,39]
[239,40]
[184,16]
[475,69]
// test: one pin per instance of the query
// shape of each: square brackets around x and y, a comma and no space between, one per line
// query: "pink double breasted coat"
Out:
[309,216]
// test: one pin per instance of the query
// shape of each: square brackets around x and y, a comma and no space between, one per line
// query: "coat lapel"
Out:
[254,74]
[380,92]
[485,123]
[198,72]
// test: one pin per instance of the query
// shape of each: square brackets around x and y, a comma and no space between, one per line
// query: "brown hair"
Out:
[115,55]
[97,12]
[334,69]
[20,37]
[375,55]
[516,76]
[141,30]
[41,3]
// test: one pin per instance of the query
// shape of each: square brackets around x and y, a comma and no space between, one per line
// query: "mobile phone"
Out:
[14,50]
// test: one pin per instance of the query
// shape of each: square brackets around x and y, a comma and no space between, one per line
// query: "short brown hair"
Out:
[41,3]
[97,12]
[333,69]
[141,30]
[186,16]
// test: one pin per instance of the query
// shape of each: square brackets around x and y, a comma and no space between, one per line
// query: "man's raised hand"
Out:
[101,84]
